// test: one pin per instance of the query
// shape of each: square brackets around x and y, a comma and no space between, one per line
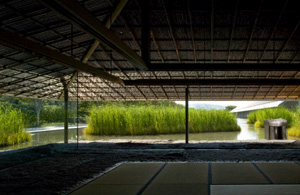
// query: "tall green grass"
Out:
[295,129]
[292,116]
[12,127]
[151,120]
[257,117]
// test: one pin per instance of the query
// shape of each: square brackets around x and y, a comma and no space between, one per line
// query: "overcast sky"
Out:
[223,103]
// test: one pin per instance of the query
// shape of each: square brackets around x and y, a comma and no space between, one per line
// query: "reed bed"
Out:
[295,129]
[292,116]
[12,127]
[151,120]
[257,117]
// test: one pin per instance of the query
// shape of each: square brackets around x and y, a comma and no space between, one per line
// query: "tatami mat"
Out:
[236,173]
[281,173]
[183,173]
[255,189]
[176,190]
[130,173]
[98,189]
[196,179]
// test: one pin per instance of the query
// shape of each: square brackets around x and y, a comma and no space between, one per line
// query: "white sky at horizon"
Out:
[222,103]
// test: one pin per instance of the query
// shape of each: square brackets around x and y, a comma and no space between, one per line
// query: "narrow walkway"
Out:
[197,179]
[53,128]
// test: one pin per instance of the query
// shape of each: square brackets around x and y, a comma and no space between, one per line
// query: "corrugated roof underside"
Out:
[236,33]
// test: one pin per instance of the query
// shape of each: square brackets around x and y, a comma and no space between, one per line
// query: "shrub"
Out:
[12,127]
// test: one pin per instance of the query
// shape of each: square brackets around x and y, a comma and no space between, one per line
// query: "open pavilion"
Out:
[120,50]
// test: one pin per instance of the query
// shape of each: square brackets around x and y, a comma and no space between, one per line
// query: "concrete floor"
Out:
[197,179]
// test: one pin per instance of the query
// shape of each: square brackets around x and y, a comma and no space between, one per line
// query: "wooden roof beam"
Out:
[191,28]
[224,67]
[252,32]
[286,42]
[82,18]
[232,30]
[275,27]
[212,32]
[116,65]
[15,41]
[171,30]
[145,30]
[295,57]
[221,82]
[94,46]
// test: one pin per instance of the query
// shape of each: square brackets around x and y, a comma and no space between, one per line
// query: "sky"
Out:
[222,103]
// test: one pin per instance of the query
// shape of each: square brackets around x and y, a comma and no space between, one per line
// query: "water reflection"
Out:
[248,132]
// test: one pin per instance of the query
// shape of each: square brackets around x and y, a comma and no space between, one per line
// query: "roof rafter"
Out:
[252,32]
[81,17]
[17,42]
[274,29]
[212,32]
[232,30]
[191,28]
[286,42]
[93,47]
[171,30]
[259,82]
[115,64]
[223,67]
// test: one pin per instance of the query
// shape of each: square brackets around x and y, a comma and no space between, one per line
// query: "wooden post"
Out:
[187,115]
[66,97]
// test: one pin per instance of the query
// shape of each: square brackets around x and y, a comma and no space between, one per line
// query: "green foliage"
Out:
[51,111]
[295,129]
[51,114]
[257,117]
[12,126]
[230,107]
[251,118]
[156,119]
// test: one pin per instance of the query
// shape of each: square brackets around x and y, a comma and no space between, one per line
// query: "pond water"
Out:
[248,132]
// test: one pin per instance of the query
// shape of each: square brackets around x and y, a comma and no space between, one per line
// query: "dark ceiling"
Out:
[220,49]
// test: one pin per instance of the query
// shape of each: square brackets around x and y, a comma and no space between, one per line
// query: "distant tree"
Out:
[230,107]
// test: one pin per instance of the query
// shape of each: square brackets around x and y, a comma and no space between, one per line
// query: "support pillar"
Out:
[186,115]
[66,125]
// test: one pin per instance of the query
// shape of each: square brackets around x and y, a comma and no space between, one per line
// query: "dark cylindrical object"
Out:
[187,115]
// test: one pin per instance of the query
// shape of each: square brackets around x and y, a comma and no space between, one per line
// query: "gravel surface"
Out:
[61,168]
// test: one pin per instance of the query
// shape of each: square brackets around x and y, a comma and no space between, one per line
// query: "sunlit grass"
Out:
[295,129]
[257,117]
[12,127]
[151,120]
[293,118]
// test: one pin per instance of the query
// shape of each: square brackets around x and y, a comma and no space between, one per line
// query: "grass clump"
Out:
[295,129]
[251,118]
[151,120]
[292,116]
[12,127]
[257,117]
